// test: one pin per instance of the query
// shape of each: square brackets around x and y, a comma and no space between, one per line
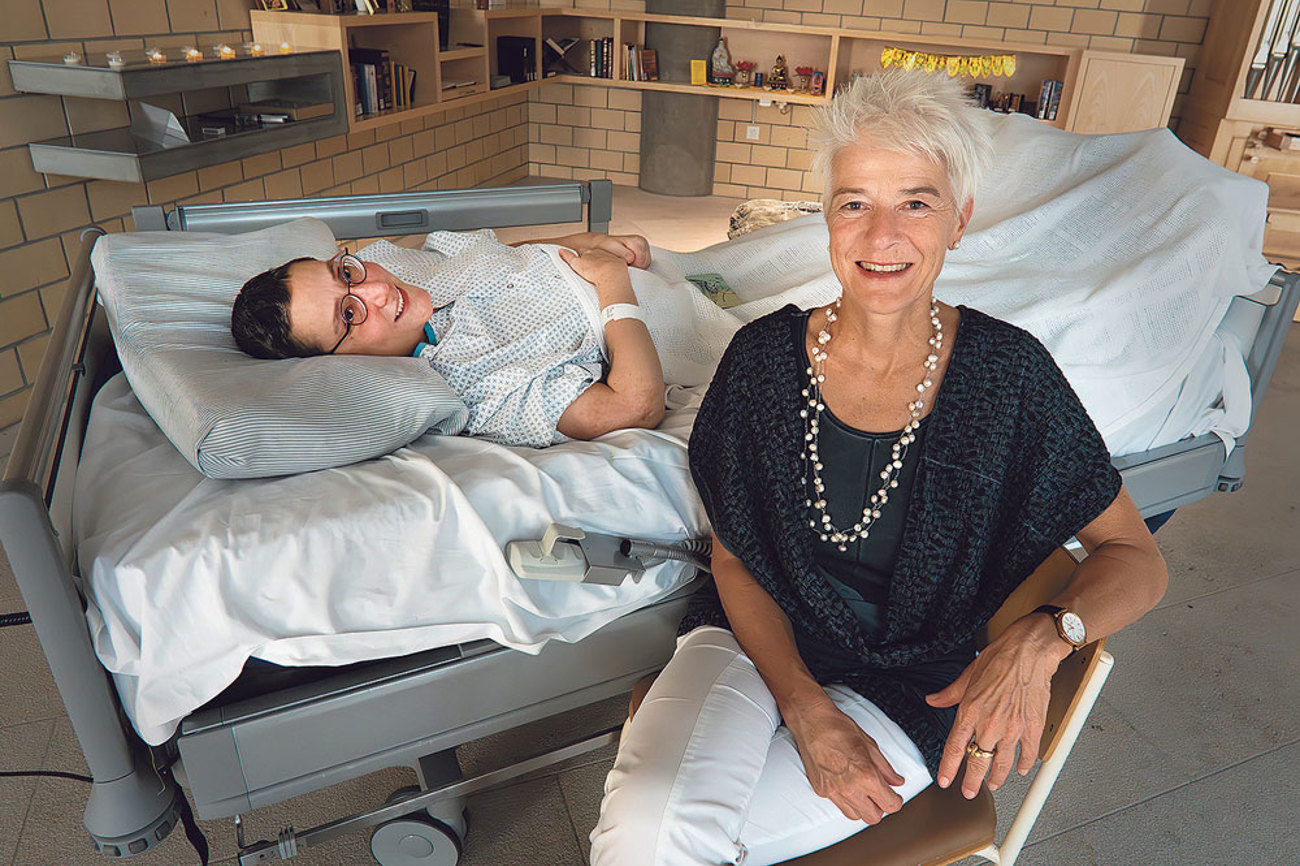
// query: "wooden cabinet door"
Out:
[1123,92]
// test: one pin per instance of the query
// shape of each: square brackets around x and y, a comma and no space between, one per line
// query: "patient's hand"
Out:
[633,249]
[605,270]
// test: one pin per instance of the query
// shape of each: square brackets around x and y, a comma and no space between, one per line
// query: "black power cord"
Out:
[55,774]
[22,617]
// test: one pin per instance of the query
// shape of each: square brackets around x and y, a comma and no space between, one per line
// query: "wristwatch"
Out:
[1068,624]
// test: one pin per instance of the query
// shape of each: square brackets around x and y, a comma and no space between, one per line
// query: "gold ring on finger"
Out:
[974,751]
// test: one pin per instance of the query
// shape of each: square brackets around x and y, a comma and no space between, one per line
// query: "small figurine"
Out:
[720,68]
[744,73]
[779,77]
[804,74]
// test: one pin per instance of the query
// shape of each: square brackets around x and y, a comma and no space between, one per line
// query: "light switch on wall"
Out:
[751,133]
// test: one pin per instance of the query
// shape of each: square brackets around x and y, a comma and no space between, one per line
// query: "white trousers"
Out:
[706,773]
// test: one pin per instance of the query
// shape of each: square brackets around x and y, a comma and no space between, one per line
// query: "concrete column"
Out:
[679,130]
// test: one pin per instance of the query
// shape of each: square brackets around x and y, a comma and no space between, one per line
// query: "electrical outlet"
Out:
[751,133]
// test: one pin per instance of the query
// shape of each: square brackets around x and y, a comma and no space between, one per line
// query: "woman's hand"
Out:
[1002,699]
[843,764]
[606,271]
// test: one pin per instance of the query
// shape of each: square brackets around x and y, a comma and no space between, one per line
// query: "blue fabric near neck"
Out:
[430,339]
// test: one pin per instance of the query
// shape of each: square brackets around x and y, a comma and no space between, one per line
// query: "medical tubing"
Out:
[20,618]
[693,550]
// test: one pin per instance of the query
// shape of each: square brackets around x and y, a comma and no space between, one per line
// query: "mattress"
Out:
[189,577]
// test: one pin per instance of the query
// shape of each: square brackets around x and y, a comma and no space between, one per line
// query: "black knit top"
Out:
[1011,466]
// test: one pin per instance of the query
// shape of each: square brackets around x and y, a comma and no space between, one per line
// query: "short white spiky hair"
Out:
[909,111]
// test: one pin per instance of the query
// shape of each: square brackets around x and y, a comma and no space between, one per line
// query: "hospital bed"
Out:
[278,732]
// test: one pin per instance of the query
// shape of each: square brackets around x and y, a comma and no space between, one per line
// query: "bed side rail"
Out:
[1261,361]
[368,216]
[131,807]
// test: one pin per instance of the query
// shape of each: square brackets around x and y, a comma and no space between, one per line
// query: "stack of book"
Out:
[284,110]
[380,83]
[601,58]
[1049,99]
[639,63]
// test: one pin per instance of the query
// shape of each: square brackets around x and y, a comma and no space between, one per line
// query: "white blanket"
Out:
[191,576]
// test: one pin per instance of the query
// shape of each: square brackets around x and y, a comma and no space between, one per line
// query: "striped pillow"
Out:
[168,297]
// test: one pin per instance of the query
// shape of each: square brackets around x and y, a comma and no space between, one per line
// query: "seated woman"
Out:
[495,321]
[880,475]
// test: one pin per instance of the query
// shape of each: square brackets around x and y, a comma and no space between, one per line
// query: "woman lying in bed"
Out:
[496,321]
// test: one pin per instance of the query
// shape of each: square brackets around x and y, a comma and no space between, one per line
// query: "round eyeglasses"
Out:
[351,271]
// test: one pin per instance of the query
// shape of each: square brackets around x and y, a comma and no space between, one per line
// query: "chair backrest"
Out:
[1067,684]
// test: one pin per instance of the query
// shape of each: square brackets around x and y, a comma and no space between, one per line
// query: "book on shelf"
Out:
[601,58]
[1054,101]
[376,90]
[639,63]
[290,109]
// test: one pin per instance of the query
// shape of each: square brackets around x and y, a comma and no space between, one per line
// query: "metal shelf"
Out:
[120,154]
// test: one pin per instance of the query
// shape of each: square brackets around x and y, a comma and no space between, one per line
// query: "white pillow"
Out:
[168,296]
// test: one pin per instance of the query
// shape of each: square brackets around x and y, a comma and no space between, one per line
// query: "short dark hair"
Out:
[259,320]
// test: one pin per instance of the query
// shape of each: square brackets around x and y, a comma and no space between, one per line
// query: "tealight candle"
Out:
[224,52]
[72,58]
[192,54]
[286,48]
[115,59]
[254,49]
[155,55]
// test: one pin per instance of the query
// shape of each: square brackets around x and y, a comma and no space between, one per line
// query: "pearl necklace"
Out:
[825,529]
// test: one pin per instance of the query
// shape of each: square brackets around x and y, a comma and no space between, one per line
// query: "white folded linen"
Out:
[189,576]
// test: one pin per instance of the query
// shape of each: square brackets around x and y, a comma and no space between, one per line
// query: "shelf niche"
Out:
[187,90]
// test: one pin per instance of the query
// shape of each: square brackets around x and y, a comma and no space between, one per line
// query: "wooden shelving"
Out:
[412,39]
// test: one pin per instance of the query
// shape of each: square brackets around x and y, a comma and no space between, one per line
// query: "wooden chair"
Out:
[940,825]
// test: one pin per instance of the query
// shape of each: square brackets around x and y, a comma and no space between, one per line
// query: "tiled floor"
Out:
[1191,757]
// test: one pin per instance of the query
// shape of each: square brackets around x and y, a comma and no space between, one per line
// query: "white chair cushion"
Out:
[168,297]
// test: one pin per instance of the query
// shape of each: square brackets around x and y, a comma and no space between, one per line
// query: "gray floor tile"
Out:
[522,825]
[1108,748]
[28,693]
[54,833]
[1244,814]
[583,789]
[1230,539]
[10,599]
[22,747]
[1215,681]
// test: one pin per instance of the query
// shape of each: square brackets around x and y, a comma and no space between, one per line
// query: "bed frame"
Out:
[252,747]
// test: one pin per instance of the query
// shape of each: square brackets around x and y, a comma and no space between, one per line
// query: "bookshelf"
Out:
[1093,91]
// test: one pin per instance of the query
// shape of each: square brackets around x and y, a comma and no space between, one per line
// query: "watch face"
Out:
[1072,627]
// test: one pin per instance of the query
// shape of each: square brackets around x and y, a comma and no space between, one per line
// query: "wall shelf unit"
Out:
[130,155]
[1228,127]
[412,39]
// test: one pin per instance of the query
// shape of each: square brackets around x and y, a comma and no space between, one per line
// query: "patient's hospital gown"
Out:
[514,338]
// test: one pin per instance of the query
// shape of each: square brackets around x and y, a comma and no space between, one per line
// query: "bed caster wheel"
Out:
[415,841]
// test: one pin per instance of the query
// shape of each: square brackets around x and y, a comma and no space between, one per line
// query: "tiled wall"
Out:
[41,215]
[775,164]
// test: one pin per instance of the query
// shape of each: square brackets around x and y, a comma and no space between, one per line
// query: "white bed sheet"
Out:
[189,577]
